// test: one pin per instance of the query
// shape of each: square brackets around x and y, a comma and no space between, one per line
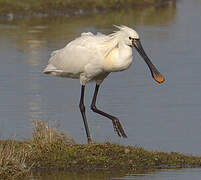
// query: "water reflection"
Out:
[90,175]
[171,174]
[38,32]
[167,174]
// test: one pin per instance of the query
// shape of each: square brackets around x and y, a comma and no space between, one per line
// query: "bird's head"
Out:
[131,38]
[127,35]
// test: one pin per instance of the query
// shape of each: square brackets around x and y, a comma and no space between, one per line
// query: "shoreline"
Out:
[10,9]
[50,149]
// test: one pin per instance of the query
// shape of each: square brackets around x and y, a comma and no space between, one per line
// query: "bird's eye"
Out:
[130,38]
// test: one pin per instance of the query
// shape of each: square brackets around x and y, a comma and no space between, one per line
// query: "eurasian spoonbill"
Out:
[92,57]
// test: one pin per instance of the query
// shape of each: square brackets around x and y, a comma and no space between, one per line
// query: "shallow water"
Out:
[167,174]
[180,174]
[163,117]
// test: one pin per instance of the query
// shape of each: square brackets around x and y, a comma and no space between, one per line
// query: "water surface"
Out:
[164,117]
[167,174]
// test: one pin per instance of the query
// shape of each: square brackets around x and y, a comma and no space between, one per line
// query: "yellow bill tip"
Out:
[159,78]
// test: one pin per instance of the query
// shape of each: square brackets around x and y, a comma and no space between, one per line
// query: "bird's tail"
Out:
[46,72]
[50,69]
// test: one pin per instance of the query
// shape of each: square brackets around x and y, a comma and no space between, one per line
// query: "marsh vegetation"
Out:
[68,7]
[50,148]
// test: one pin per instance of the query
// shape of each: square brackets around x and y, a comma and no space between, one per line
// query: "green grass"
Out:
[31,7]
[52,149]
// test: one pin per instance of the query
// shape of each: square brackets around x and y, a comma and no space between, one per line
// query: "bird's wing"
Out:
[88,49]
[76,55]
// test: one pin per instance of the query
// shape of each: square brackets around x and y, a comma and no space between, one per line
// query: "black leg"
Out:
[82,109]
[116,124]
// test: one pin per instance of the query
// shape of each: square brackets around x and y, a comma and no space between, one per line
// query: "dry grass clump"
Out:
[46,142]
[16,158]
[12,160]
[44,134]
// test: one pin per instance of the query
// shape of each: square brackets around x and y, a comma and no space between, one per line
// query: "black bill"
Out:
[158,77]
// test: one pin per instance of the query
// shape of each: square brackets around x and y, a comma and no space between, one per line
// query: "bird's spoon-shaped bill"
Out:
[158,77]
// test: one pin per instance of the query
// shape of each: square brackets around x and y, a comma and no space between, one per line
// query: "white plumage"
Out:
[91,57]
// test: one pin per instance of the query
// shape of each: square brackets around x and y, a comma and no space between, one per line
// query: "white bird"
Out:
[92,57]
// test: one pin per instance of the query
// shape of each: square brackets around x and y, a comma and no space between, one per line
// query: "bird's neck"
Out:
[125,51]
[119,58]
[123,58]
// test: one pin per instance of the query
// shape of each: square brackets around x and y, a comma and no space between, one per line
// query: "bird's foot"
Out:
[89,140]
[118,128]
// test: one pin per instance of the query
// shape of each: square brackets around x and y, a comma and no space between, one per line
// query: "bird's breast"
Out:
[115,62]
